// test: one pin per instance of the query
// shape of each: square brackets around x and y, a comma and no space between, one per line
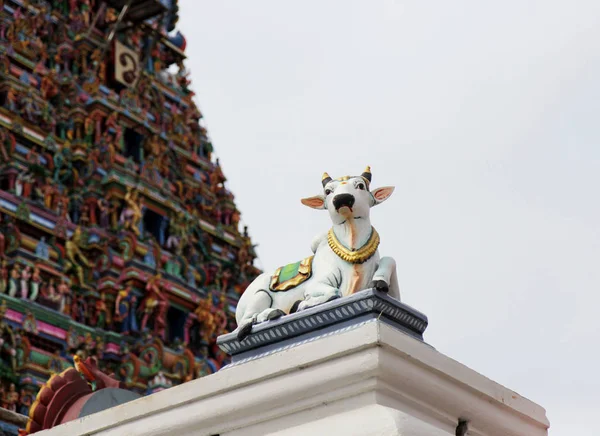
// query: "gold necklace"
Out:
[360,255]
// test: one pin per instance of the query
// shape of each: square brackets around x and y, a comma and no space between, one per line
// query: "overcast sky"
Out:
[483,114]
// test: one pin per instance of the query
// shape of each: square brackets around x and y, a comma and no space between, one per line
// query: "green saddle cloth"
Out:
[289,276]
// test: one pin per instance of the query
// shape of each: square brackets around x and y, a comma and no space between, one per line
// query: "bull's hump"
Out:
[318,241]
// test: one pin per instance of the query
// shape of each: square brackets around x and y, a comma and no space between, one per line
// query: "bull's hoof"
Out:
[275,314]
[244,331]
[380,285]
[295,306]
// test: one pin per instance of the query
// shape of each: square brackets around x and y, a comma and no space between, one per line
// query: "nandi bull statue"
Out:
[345,258]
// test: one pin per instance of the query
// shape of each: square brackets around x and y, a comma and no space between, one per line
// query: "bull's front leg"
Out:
[385,278]
[319,292]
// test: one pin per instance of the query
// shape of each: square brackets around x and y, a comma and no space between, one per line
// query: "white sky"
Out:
[484,115]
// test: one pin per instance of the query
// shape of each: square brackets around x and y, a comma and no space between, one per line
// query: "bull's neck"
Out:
[353,233]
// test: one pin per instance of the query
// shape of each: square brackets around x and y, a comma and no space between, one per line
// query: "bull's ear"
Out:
[382,194]
[316,202]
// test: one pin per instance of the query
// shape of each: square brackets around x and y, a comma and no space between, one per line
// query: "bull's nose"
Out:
[342,200]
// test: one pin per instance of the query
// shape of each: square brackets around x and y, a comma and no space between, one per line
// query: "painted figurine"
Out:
[345,258]
[154,305]
[63,292]
[125,310]
[25,276]
[11,398]
[79,309]
[104,208]
[49,293]
[75,255]
[101,311]
[3,277]
[13,284]
[42,250]
[132,213]
[36,280]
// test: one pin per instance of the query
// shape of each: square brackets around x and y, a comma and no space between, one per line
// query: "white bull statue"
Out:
[345,260]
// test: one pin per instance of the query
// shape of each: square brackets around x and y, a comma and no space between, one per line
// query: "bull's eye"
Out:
[327,191]
[361,186]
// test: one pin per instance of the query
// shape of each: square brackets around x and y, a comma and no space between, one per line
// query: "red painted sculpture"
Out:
[65,395]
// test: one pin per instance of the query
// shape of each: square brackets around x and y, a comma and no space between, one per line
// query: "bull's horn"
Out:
[325,179]
[367,174]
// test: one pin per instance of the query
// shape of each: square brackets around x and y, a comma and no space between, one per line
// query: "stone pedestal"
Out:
[355,366]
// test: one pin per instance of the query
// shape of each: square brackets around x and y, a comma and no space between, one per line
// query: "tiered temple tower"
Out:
[118,238]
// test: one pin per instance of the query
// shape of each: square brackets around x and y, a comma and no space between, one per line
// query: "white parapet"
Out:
[369,378]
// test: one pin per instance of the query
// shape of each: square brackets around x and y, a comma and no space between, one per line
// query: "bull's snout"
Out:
[342,200]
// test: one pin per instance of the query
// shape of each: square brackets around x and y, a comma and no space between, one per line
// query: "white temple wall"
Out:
[367,379]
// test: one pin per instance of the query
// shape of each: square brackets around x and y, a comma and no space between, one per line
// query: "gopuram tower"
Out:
[118,237]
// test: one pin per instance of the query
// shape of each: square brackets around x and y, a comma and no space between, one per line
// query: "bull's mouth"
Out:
[342,201]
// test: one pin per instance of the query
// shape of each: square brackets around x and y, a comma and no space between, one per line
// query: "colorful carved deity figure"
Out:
[76,256]
[114,212]
[63,166]
[88,129]
[101,314]
[62,207]
[8,341]
[3,276]
[154,305]
[132,213]
[7,144]
[206,319]
[112,120]
[226,278]
[84,219]
[63,292]
[154,146]
[25,277]
[36,280]
[30,109]
[177,231]
[25,401]
[105,151]
[220,323]
[42,249]
[24,184]
[79,310]
[33,157]
[11,100]
[11,398]
[49,193]
[48,87]
[49,294]
[75,204]
[85,11]
[104,208]
[125,310]
[73,340]
[15,278]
